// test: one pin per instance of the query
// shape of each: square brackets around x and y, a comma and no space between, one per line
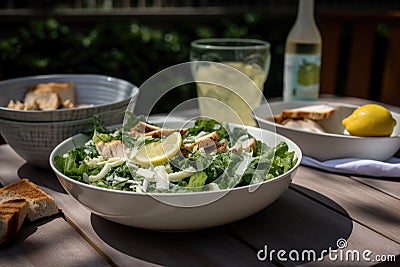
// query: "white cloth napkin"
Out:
[388,168]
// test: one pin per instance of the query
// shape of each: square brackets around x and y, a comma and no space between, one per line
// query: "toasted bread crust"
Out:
[20,200]
[12,215]
[7,226]
[40,203]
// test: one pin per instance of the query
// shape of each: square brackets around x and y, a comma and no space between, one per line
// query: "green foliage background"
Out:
[130,50]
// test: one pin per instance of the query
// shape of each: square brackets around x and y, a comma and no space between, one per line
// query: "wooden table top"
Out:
[341,217]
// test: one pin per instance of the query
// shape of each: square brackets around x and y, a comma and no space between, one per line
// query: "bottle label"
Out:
[301,77]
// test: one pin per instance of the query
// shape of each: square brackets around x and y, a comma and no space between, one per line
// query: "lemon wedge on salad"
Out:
[370,120]
[159,152]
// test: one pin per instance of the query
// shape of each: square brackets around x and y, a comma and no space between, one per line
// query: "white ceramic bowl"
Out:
[104,92]
[34,141]
[155,211]
[334,144]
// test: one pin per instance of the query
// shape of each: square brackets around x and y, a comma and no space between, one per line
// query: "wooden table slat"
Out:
[296,222]
[387,186]
[50,242]
[362,203]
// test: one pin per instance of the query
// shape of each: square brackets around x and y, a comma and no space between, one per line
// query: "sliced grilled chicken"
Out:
[213,136]
[208,145]
[112,149]
[142,127]
[221,146]
[238,148]
[164,132]
[249,144]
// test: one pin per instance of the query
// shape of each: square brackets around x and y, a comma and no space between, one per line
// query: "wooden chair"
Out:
[361,55]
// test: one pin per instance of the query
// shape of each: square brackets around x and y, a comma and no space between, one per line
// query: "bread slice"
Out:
[40,204]
[313,112]
[64,90]
[12,215]
[49,96]
[41,100]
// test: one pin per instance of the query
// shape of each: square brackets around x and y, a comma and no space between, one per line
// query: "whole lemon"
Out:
[370,120]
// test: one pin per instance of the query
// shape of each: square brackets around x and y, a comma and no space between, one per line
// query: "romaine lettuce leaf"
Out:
[198,179]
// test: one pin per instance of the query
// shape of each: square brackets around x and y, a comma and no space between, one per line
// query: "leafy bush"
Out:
[128,49]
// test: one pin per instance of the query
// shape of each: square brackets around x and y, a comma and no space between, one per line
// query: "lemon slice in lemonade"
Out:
[159,152]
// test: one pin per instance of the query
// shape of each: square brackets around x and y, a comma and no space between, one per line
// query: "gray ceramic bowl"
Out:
[34,141]
[104,92]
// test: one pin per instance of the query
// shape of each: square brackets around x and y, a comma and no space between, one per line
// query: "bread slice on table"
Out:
[20,200]
[40,204]
[12,215]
